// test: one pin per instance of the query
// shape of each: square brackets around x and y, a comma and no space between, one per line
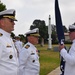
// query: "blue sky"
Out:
[29,10]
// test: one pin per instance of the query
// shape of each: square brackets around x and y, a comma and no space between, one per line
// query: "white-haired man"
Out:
[29,59]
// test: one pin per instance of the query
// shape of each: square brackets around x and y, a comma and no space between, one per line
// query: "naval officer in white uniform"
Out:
[28,58]
[18,43]
[8,53]
[69,56]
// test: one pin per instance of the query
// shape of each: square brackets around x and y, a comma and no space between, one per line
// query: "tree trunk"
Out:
[42,42]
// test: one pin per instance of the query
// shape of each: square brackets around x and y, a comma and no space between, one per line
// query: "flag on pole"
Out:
[60,32]
[59,25]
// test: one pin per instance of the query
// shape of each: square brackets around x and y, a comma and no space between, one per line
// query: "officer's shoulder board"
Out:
[1,34]
[27,46]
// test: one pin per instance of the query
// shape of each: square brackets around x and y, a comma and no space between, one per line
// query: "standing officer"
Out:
[18,43]
[8,53]
[28,58]
[69,56]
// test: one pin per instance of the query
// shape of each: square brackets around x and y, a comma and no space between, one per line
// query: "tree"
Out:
[2,7]
[36,24]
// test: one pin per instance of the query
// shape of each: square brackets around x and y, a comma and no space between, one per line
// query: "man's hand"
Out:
[61,47]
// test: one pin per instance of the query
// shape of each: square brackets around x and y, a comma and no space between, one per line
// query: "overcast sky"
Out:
[29,10]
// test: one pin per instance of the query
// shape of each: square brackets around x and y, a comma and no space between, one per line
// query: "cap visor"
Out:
[13,19]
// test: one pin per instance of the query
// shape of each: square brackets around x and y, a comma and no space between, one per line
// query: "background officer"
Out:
[18,43]
[69,56]
[8,53]
[29,59]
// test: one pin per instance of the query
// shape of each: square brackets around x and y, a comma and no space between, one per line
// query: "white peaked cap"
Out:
[34,32]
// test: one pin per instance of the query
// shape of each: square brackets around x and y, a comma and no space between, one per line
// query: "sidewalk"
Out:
[55,72]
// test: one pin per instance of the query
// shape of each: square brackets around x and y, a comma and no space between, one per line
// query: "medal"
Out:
[11,56]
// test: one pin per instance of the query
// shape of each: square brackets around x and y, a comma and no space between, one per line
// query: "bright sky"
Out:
[29,10]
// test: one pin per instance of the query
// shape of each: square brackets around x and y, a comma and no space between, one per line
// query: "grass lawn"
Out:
[49,59]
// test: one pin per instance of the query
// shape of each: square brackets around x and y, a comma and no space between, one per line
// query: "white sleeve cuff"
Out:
[63,52]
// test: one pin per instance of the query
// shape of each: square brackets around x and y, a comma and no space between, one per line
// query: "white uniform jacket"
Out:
[70,60]
[29,60]
[8,55]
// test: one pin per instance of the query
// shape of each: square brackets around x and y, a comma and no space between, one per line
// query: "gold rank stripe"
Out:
[35,34]
[12,17]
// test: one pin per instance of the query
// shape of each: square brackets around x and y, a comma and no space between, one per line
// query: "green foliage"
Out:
[2,7]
